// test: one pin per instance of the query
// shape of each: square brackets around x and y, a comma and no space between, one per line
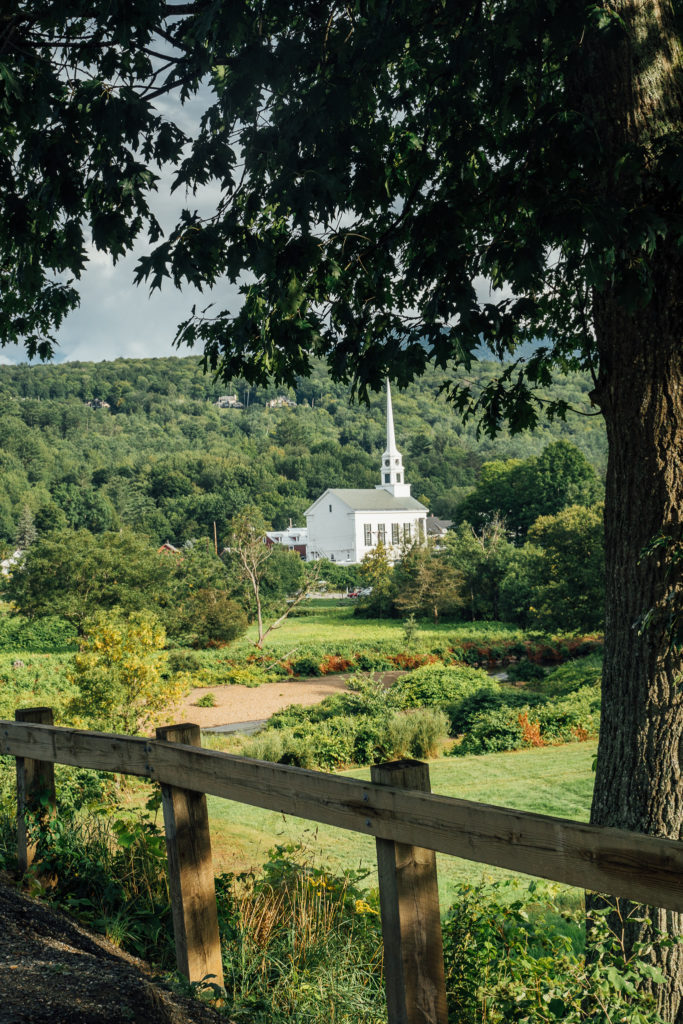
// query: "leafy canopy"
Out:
[396,182]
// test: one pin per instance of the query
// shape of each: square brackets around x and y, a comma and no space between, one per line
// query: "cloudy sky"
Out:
[116,318]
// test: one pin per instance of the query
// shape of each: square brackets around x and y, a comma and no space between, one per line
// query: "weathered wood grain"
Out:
[190,872]
[607,860]
[35,790]
[411,920]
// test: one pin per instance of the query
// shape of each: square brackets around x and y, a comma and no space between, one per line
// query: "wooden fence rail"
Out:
[395,807]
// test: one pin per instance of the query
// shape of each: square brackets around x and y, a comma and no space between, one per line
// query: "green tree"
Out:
[520,491]
[119,672]
[377,574]
[26,529]
[533,146]
[426,584]
[481,555]
[74,574]
[569,588]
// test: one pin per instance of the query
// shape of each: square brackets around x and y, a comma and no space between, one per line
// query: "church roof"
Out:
[375,499]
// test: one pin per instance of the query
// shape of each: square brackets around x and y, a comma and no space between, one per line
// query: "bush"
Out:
[207,700]
[306,665]
[361,727]
[182,660]
[438,684]
[571,677]
[510,961]
[513,726]
[464,713]
[525,671]
[417,734]
[47,635]
[110,873]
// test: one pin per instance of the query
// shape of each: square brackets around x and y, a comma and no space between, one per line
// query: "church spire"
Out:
[391,439]
[392,475]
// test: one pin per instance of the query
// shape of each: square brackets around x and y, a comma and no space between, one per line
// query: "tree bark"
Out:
[639,784]
[629,81]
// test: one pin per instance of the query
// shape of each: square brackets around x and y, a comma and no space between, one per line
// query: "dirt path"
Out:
[247,703]
[54,971]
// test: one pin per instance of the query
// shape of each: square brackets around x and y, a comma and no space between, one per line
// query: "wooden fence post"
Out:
[411,923]
[35,789]
[190,869]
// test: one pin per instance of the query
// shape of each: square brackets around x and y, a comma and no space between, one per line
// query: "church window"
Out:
[396,462]
[394,533]
[398,478]
[387,478]
[330,508]
[386,462]
[406,531]
[332,558]
[421,528]
[367,530]
[381,533]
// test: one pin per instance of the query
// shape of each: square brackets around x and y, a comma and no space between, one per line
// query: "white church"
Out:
[345,523]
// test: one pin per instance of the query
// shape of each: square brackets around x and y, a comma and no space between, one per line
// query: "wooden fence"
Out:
[408,822]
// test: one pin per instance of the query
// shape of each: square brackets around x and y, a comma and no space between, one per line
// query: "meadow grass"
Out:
[548,780]
[337,624]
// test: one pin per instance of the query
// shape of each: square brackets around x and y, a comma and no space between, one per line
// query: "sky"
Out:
[116,318]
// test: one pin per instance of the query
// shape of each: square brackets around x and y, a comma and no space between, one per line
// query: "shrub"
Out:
[306,665]
[119,672]
[333,663]
[207,700]
[573,676]
[182,660]
[50,634]
[509,961]
[438,684]
[361,727]
[250,675]
[525,671]
[419,733]
[512,726]
[464,713]
[110,873]
[368,661]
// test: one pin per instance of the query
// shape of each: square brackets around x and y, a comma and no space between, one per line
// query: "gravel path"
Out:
[246,703]
[52,971]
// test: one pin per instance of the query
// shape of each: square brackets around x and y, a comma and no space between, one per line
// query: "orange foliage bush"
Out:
[332,663]
[411,661]
[531,731]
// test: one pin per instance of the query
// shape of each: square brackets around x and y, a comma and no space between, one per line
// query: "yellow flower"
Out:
[363,907]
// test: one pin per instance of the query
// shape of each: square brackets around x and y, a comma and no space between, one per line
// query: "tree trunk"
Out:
[639,783]
[628,82]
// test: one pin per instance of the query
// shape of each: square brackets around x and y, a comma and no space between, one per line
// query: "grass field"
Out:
[335,624]
[549,780]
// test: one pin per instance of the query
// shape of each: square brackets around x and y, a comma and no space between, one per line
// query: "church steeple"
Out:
[392,475]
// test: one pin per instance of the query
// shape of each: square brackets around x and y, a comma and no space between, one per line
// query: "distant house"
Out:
[97,403]
[295,538]
[437,528]
[280,402]
[228,402]
[168,549]
[7,564]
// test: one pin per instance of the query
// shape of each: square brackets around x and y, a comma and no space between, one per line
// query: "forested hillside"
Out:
[166,461]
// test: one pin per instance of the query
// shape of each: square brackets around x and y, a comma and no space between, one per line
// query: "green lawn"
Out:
[549,780]
[338,622]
